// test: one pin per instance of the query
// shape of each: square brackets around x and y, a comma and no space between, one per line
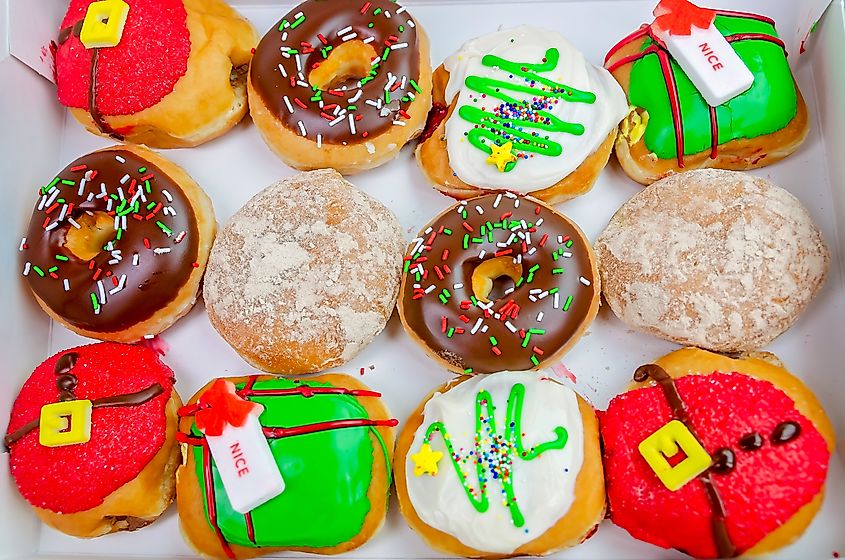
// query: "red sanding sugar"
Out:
[766,487]
[123,440]
[137,73]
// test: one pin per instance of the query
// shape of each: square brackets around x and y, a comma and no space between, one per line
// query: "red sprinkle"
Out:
[467,227]
[363,10]
[443,322]
[543,241]
[300,103]
[79,167]
[444,255]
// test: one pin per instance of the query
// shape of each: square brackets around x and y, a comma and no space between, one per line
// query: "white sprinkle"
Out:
[301,128]
[479,209]
[557,300]
[510,290]
[298,64]
[411,23]
[161,250]
[399,122]
[398,46]
[540,317]
[484,329]
[516,203]
[458,286]
[81,187]
[287,103]
[371,103]
[400,10]
[123,181]
[510,326]
[117,222]
[319,140]
[120,159]
[543,295]
[108,204]
[282,71]
[102,291]
[356,97]
[337,120]
[302,83]
[584,281]
[23,242]
[352,124]
[135,259]
[73,223]
[498,200]
[168,211]
[120,285]
[476,326]
[285,36]
[123,222]
[482,254]
[532,250]
[539,222]
[51,226]
[387,14]
[349,37]
[532,297]
[510,195]
[560,239]
[53,198]
[430,289]
[42,203]
[26,268]
[344,31]
[369,40]
[66,284]
[566,254]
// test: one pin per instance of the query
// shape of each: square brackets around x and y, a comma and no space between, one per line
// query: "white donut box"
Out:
[39,137]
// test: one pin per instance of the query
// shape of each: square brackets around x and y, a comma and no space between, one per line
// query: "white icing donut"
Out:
[585,123]
[542,482]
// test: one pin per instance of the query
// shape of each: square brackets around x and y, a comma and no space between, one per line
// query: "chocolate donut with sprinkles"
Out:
[499,282]
[117,244]
[342,85]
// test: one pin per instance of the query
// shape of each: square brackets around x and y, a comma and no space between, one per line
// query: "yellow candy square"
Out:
[667,442]
[65,423]
[104,22]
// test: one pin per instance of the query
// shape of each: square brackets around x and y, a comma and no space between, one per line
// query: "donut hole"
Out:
[493,277]
[347,62]
[95,230]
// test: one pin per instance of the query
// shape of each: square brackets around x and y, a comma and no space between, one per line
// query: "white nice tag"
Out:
[710,62]
[246,465]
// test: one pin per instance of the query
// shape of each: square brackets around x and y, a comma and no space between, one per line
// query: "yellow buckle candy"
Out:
[103,25]
[65,423]
[667,442]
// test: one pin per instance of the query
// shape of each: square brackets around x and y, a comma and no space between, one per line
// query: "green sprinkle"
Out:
[537,331]
[401,29]
[493,341]
[62,258]
[94,302]
[530,277]
[298,21]
[413,83]
[555,255]
[142,169]
[370,25]
[283,25]
[386,96]
[351,107]
[52,183]
[468,370]
[477,240]
[451,332]
[407,265]
[567,303]
[151,205]
[534,268]
[557,271]
[61,200]
[386,53]
[377,11]
[569,243]
[163,227]
[473,300]
[466,241]
[526,339]
[534,360]
[119,234]
[53,269]
[519,282]
[447,231]
[554,290]
[38,270]
[147,186]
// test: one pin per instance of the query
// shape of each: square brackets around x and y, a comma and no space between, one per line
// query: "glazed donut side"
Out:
[209,99]
[433,159]
[137,503]
[200,536]
[184,296]
[290,124]
[463,336]
[694,361]
[578,525]
[743,153]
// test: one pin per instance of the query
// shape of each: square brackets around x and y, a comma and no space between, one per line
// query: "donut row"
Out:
[347,86]
[711,455]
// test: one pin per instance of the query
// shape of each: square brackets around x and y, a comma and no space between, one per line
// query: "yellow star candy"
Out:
[425,462]
[501,155]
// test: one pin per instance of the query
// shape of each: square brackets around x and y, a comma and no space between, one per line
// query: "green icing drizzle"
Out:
[767,107]
[509,120]
[327,474]
[494,451]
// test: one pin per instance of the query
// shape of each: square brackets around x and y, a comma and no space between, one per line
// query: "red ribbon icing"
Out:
[677,17]
[221,406]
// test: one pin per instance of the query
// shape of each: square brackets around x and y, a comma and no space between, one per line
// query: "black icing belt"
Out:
[724,545]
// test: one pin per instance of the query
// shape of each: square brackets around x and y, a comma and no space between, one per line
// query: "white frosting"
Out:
[529,46]
[543,486]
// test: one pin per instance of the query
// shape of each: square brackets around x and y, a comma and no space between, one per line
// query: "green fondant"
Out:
[327,474]
[500,128]
[494,451]
[767,107]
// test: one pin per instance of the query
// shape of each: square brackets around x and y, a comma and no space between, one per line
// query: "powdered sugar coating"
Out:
[305,274]
[712,258]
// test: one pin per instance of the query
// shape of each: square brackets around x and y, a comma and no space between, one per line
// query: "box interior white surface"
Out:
[38,138]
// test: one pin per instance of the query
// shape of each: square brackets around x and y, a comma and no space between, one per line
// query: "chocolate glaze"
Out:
[786,432]
[724,461]
[65,363]
[721,538]
[128,399]
[425,314]
[325,18]
[149,286]
[751,442]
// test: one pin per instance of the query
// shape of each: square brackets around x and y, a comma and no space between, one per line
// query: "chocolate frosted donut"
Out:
[117,244]
[342,85]
[499,282]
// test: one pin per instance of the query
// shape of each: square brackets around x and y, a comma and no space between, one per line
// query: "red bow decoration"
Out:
[677,17]
[221,406]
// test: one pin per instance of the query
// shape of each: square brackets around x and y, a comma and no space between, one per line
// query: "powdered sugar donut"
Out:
[305,274]
[711,258]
